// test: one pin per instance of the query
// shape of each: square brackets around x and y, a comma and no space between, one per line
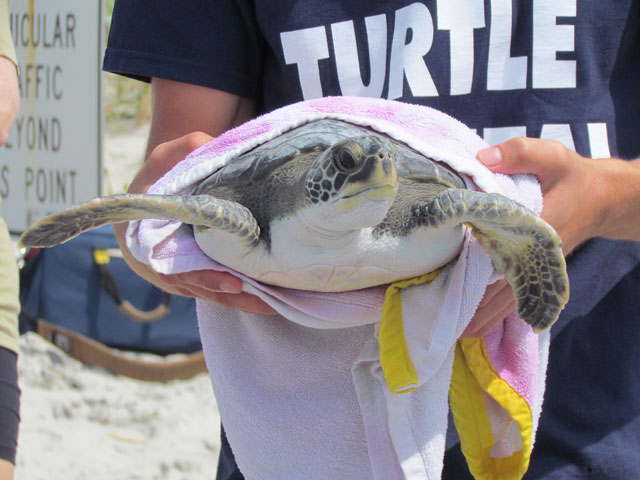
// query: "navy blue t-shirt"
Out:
[565,70]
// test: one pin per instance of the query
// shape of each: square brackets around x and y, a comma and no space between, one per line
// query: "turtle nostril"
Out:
[387,166]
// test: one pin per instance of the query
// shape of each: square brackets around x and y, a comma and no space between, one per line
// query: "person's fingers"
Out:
[170,153]
[570,184]
[499,314]
[164,157]
[217,287]
[207,280]
[245,302]
[238,301]
[546,159]
[492,312]
[492,290]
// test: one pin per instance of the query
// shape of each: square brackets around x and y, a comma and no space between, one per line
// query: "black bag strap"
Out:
[102,257]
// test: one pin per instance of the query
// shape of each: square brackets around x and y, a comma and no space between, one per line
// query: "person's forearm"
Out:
[9,97]
[180,109]
[620,198]
[6,470]
[9,93]
[7,48]
[184,118]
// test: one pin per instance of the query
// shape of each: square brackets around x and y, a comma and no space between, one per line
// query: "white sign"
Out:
[52,159]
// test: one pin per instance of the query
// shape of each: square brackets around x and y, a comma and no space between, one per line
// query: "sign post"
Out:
[53,157]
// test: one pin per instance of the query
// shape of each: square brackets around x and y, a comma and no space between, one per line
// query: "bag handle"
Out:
[92,352]
[102,257]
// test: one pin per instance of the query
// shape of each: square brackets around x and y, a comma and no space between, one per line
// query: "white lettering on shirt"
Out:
[400,46]
[598,136]
[560,132]
[598,140]
[504,72]
[550,38]
[461,17]
[494,136]
[407,58]
[305,48]
[348,63]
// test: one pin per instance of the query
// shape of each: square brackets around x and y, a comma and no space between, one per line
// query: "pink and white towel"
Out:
[263,367]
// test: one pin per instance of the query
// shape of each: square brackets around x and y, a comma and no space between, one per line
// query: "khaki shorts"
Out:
[9,301]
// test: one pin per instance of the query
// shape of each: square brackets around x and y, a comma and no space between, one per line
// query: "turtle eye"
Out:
[345,161]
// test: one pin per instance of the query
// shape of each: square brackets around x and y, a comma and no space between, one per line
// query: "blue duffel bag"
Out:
[83,297]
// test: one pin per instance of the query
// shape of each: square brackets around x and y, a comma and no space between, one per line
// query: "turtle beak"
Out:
[384,180]
[382,192]
[379,182]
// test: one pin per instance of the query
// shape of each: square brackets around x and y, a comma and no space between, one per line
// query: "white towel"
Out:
[303,394]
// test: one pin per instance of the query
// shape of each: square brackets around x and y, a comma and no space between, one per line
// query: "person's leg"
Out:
[227,467]
[9,411]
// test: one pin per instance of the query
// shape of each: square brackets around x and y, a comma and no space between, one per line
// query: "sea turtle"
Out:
[331,206]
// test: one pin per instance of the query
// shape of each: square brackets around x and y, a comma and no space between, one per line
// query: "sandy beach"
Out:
[80,422]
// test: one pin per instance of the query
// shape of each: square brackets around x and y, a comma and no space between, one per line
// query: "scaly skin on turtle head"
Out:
[352,184]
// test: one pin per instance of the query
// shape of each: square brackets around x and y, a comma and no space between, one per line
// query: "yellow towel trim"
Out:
[396,362]
[473,373]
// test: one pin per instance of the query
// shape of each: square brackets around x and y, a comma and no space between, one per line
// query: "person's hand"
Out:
[9,98]
[496,304]
[217,287]
[572,188]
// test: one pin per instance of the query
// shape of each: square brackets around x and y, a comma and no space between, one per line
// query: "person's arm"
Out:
[6,470]
[10,95]
[10,98]
[9,107]
[583,198]
[182,108]
[185,117]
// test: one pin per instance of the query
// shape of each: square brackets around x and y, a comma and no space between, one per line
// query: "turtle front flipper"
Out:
[522,246]
[203,210]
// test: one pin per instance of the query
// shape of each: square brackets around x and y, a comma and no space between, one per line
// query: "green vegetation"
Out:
[127,102]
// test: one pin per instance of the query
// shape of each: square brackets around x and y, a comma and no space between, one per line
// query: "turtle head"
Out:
[353,183]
